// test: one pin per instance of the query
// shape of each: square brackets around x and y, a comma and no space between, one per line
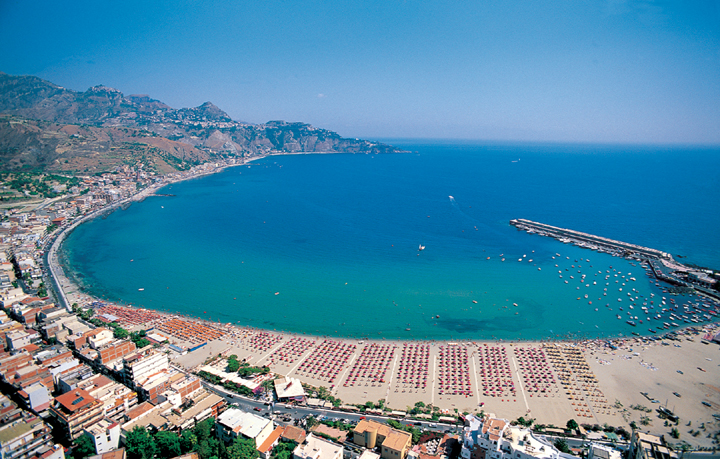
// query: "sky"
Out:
[608,71]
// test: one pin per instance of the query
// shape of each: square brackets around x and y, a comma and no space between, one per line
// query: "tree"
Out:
[284,450]
[83,447]
[232,364]
[168,445]
[204,429]
[243,448]
[139,444]
[188,440]
[120,333]
[572,424]
[562,445]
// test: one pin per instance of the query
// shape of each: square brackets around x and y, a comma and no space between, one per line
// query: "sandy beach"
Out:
[551,382]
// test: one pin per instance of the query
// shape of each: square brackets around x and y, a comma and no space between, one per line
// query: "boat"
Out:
[630,322]
[651,330]
[141,289]
[421,248]
[474,301]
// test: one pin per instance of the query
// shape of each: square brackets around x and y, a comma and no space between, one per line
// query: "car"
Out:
[257,409]
[676,394]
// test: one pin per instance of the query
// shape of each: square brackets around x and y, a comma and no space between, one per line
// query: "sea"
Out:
[329,244]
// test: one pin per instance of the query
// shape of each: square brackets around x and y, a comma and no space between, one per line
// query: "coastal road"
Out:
[298,412]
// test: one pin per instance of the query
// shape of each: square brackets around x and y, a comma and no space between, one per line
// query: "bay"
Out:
[328,244]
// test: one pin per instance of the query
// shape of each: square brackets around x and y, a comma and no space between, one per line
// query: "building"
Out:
[370,434]
[521,443]
[233,423]
[25,436]
[317,448]
[394,444]
[483,437]
[115,350]
[75,411]
[646,446]
[289,389]
[105,435]
[494,438]
[17,339]
[600,451]
[35,397]
[138,366]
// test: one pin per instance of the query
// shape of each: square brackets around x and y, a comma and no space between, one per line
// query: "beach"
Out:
[551,382]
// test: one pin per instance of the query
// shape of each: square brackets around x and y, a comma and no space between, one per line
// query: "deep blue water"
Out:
[328,244]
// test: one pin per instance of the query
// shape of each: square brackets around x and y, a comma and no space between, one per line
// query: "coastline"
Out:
[553,403]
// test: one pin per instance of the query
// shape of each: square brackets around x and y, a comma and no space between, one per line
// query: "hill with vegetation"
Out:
[49,128]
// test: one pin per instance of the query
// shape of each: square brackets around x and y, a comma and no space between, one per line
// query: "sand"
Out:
[587,381]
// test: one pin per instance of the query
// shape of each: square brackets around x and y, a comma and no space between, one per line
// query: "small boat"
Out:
[474,301]
[421,248]
[141,289]
[630,322]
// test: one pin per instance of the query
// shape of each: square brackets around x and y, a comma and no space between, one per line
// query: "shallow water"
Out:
[328,244]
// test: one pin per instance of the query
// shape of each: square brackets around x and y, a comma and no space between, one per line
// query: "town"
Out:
[85,378]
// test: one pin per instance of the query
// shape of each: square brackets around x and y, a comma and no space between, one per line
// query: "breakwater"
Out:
[590,241]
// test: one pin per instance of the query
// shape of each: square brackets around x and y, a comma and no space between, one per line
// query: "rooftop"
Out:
[75,400]
[248,424]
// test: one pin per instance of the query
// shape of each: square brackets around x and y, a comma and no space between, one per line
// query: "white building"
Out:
[105,434]
[498,440]
[137,367]
[233,423]
[600,451]
[318,448]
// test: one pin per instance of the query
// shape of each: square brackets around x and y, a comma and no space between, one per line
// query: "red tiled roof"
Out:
[75,399]
[268,443]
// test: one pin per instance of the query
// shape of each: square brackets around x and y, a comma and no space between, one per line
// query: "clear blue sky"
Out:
[574,70]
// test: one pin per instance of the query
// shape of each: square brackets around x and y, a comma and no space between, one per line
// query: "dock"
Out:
[591,241]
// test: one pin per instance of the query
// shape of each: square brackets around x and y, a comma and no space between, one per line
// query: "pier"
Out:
[590,241]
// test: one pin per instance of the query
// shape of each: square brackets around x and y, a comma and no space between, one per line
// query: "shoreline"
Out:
[59,279]
[542,378]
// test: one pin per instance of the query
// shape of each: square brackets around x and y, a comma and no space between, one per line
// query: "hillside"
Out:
[45,126]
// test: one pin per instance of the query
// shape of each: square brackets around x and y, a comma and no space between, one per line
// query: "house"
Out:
[76,410]
[105,435]
[317,448]
[394,444]
[233,423]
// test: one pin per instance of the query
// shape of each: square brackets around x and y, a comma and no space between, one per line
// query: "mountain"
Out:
[45,126]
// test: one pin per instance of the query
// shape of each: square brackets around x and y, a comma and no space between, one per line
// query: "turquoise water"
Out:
[328,244]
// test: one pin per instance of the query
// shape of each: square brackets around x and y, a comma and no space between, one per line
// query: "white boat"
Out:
[421,248]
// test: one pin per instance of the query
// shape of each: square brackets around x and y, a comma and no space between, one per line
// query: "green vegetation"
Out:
[562,445]
[232,364]
[525,422]
[283,450]
[35,184]
[572,424]
[415,432]
[229,385]
[246,370]
[141,444]
[138,337]
[83,447]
